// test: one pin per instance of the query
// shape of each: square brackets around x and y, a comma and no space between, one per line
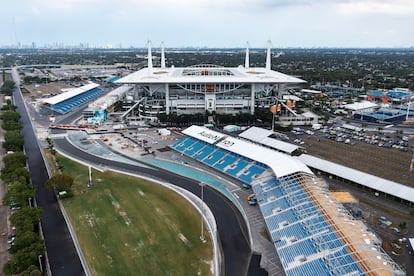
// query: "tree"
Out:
[20,174]
[10,116]
[14,160]
[11,125]
[26,218]
[7,88]
[23,259]
[13,141]
[32,271]
[60,182]
[18,194]
[27,239]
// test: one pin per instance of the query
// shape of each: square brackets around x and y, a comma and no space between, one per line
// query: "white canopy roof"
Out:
[368,180]
[280,163]
[70,94]
[236,75]
[311,91]
[261,135]
[360,105]
[110,98]
[203,134]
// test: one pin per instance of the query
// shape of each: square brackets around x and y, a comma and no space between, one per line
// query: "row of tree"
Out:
[7,88]
[26,244]
[261,117]
[13,139]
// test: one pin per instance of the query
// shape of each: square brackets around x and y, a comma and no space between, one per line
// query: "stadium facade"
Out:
[206,87]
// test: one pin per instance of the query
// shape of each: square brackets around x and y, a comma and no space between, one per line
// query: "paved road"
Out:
[63,258]
[230,224]
[231,227]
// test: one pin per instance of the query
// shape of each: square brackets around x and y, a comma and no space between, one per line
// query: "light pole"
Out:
[202,212]
[39,257]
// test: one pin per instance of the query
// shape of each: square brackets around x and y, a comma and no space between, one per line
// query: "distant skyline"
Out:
[209,23]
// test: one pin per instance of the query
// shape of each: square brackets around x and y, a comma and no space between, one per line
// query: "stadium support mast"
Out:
[247,61]
[149,55]
[268,60]
[162,56]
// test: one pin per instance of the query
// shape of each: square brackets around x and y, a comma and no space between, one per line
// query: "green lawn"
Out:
[129,226]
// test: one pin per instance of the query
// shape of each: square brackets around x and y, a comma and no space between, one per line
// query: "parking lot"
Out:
[386,155]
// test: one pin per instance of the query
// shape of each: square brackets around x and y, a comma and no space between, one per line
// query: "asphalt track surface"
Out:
[231,228]
[62,255]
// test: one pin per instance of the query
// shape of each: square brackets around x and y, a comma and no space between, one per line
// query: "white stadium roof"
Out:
[70,94]
[261,135]
[280,163]
[233,75]
[368,180]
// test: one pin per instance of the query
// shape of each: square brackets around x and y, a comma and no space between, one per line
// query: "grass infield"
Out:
[129,226]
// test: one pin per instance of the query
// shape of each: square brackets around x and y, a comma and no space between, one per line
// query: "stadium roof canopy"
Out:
[70,94]
[360,105]
[110,98]
[280,163]
[311,91]
[368,180]
[208,74]
[261,135]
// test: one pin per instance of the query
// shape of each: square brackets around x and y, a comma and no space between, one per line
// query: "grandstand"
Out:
[312,233]
[67,101]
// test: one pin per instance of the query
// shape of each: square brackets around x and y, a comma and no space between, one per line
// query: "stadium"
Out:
[311,232]
[206,87]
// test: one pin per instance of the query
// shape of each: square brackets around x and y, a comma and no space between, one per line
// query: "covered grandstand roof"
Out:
[261,135]
[311,91]
[281,164]
[208,74]
[368,180]
[360,105]
[70,94]
[110,98]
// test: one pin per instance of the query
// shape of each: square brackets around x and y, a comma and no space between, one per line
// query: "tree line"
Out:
[262,117]
[25,242]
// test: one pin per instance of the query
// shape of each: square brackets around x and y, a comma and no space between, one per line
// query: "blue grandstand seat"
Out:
[310,268]
[213,157]
[240,164]
[76,101]
[203,152]
[304,247]
[193,148]
[227,160]
[182,144]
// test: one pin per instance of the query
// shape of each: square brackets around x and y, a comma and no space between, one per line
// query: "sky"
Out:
[209,23]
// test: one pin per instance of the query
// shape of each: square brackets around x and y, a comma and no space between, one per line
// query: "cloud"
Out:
[377,7]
